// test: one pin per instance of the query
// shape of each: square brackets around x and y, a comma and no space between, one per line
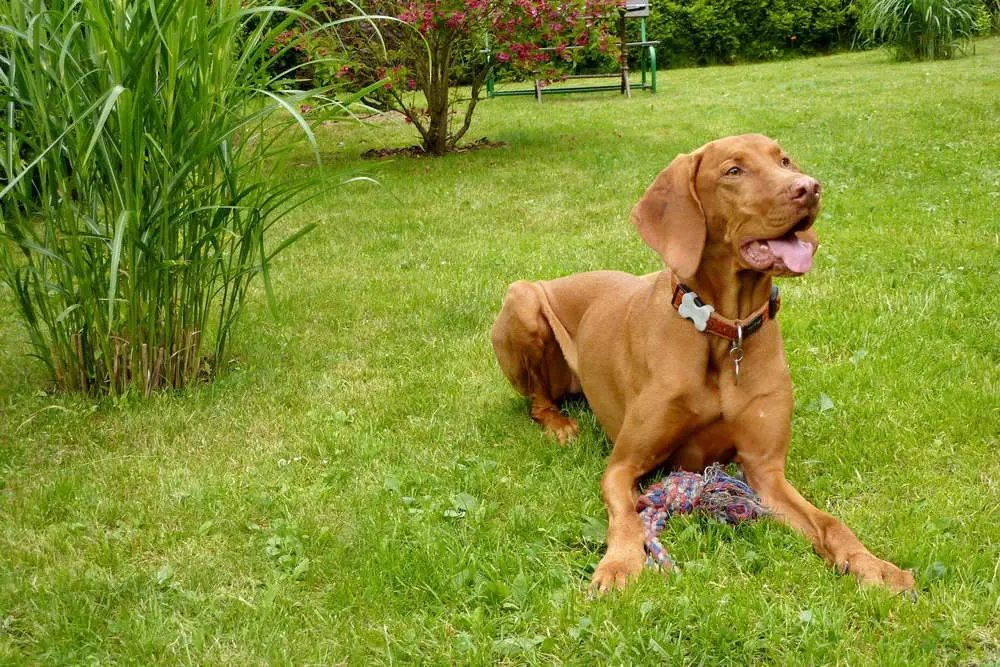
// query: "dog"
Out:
[685,367]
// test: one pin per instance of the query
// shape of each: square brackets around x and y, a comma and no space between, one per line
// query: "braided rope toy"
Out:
[727,499]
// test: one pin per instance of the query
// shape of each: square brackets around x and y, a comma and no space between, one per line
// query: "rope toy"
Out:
[727,499]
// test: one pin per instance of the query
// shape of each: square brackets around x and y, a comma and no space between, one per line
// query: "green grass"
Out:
[363,486]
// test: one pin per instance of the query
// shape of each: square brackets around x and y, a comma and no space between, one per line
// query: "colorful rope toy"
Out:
[727,499]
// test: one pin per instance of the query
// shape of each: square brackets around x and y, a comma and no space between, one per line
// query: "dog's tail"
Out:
[563,337]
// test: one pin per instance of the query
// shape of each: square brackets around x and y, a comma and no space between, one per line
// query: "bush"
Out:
[140,146]
[920,29]
[988,17]
[423,49]
[700,32]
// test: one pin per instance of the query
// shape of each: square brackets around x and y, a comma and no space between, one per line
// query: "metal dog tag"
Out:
[736,351]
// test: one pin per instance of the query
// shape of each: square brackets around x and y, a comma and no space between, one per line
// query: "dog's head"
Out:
[740,198]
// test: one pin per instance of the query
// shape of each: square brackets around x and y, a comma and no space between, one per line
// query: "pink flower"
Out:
[273,50]
[503,57]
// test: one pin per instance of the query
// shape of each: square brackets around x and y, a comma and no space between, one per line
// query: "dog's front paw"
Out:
[872,571]
[617,570]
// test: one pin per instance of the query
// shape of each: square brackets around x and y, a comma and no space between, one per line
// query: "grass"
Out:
[362,486]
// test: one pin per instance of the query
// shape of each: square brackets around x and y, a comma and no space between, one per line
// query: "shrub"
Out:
[699,32]
[920,29]
[140,150]
[988,16]
[434,45]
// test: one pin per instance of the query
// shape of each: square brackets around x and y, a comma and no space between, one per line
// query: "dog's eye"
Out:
[734,171]
[785,162]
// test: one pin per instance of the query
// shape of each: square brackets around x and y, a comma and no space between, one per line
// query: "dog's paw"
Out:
[617,571]
[564,430]
[872,571]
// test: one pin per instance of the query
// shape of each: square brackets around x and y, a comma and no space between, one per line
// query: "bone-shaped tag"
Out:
[697,314]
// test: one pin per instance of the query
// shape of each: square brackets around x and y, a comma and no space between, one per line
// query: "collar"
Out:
[704,317]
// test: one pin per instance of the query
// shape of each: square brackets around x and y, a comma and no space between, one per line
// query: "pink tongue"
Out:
[797,255]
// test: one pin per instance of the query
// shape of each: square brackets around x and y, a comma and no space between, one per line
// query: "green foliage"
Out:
[724,31]
[987,17]
[920,29]
[140,143]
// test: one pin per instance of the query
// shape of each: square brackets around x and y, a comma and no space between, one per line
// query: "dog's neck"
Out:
[735,292]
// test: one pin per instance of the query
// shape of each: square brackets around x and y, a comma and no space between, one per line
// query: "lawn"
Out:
[362,486]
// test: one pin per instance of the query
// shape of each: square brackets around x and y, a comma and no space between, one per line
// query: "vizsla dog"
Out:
[685,367]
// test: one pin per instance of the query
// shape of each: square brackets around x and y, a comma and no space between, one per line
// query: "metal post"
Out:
[652,69]
[642,50]
[490,93]
[626,88]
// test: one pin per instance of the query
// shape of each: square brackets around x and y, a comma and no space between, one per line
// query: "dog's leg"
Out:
[763,460]
[830,537]
[546,413]
[532,360]
[642,444]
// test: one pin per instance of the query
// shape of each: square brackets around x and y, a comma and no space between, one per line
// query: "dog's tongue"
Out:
[797,255]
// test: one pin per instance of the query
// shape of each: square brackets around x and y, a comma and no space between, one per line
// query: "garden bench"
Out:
[647,62]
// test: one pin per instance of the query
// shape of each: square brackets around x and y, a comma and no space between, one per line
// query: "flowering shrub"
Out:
[424,49]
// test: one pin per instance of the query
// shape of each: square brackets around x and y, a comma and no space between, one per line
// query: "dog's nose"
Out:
[805,190]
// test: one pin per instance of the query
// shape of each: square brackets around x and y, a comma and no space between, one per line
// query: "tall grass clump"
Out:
[919,29]
[140,173]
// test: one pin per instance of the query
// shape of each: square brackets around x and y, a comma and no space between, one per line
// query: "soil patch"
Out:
[417,151]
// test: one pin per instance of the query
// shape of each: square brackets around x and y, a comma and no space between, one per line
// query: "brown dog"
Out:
[670,380]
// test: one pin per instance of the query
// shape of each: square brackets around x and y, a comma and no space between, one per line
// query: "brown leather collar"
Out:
[705,318]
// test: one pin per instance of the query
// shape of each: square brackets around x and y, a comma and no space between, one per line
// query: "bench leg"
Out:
[626,88]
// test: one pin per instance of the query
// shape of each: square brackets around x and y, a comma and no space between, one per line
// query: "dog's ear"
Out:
[669,216]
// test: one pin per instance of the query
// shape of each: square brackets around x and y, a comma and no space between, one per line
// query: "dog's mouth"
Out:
[789,251]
